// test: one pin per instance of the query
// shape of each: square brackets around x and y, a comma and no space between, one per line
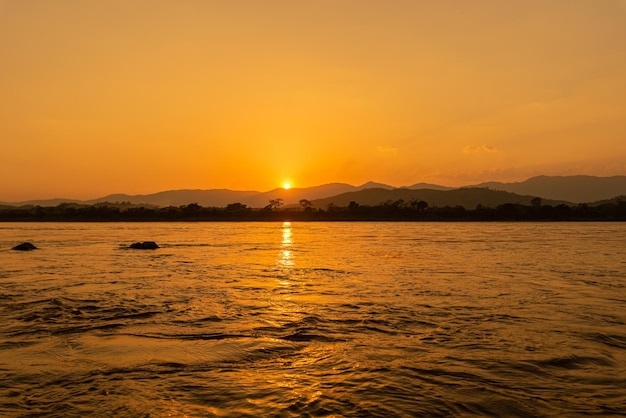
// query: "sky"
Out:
[140,96]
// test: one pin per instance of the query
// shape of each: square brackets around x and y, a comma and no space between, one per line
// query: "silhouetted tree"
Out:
[536,202]
[274,204]
[236,207]
[192,207]
[306,204]
[563,211]
[613,210]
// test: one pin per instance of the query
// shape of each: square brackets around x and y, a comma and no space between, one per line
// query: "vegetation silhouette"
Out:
[391,210]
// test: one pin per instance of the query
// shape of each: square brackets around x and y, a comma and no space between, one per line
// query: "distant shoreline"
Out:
[390,211]
[287,219]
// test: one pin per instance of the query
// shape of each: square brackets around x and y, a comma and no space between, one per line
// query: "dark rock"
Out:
[25,246]
[146,245]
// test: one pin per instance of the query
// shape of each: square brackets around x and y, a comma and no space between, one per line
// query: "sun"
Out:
[286,186]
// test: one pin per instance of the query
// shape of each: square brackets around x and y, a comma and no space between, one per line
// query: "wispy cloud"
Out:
[387,150]
[479,148]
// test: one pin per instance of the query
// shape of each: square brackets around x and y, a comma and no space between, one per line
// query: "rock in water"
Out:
[146,245]
[25,246]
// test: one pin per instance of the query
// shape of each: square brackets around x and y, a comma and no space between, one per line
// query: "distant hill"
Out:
[469,198]
[614,201]
[213,197]
[46,202]
[418,186]
[223,197]
[374,185]
[293,196]
[217,197]
[577,189]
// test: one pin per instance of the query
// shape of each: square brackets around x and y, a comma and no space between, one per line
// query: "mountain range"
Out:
[552,189]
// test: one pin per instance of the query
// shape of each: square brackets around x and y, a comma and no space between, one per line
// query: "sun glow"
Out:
[286,186]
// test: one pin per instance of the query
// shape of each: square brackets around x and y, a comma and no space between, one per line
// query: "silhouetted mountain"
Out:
[44,202]
[418,186]
[216,197]
[293,196]
[577,189]
[613,201]
[224,197]
[374,185]
[469,198]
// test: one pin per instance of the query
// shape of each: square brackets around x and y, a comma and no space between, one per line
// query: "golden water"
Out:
[313,319]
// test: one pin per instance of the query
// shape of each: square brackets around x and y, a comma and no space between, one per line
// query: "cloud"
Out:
[387,150]
[479,148]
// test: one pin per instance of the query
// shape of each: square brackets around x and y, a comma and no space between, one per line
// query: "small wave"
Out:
[329,270]
[303,336]
[196,245]
[88,328]
[189,337]
[617,341]
[212,318]
[10,345]
[574,362]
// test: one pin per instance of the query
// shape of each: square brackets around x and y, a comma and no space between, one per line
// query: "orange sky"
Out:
[139,96]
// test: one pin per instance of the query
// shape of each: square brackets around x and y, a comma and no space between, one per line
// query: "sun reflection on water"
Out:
[286,259]
[296,379]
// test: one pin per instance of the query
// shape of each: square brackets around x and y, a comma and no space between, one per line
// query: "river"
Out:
[352,319]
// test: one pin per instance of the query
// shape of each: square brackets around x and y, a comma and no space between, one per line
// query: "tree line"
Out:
[398,210]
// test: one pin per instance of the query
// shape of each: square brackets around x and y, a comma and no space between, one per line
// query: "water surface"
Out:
[313,319]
